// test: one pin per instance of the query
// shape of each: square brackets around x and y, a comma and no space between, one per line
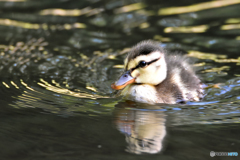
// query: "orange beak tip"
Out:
[123,81]
[113,86]
[118,87]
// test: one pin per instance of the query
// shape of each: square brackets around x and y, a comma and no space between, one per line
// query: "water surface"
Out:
[58,60]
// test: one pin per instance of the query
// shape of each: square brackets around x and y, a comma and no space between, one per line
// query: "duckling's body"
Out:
[153,76]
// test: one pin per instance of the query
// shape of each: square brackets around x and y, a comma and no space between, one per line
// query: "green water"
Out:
[58,60]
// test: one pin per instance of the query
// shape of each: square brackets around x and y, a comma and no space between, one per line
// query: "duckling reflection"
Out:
[143,126]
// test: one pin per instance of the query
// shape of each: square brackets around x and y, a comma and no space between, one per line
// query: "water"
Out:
[59,59]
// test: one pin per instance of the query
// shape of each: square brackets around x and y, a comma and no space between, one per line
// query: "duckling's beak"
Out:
[123,81]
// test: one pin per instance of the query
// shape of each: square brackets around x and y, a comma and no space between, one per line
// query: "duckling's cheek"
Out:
[135,73]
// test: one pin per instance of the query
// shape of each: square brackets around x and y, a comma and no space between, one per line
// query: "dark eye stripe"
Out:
[146,65]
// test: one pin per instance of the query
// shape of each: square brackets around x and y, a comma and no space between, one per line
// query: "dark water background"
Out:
[58,59]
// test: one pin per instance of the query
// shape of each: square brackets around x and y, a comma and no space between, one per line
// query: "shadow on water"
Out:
[58,60]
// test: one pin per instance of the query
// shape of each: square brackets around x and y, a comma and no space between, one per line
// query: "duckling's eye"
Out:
[142,64]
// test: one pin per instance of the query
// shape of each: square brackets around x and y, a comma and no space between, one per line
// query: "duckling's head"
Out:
[145,64]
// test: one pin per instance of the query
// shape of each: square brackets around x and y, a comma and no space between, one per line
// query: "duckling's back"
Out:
[181,84]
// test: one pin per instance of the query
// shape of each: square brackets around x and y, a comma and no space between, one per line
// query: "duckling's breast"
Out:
[142,93]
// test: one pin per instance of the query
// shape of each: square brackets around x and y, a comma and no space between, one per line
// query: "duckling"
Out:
[151,75]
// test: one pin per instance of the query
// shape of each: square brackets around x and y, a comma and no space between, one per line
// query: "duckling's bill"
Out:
[123,81]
